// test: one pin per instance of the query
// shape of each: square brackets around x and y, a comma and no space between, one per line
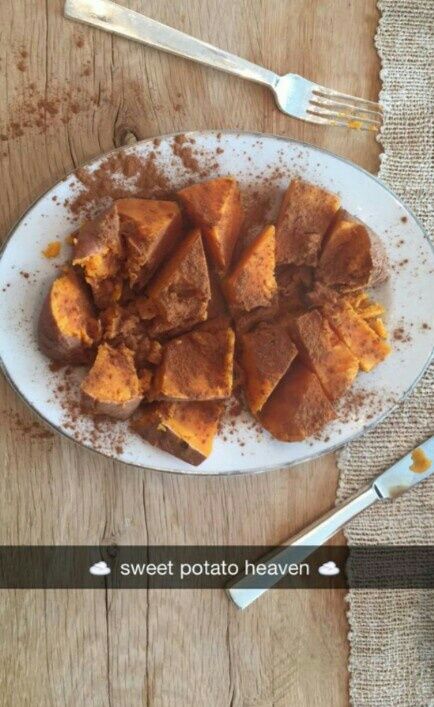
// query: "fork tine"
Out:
[355,124]
[346,116]
[342,107]
[329,93]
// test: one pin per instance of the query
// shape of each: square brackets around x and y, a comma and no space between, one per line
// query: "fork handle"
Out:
[127,23]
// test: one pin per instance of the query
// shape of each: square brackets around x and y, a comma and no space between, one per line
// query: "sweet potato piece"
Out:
[324,353]
[196,366]
[98,247]
[215,207]
[181,291]
[186,430]
[150,229]
[356,333]
[353,256]
[305,215]
[67,328]
[298,407]
[267,352]
[112,387]
[252,283]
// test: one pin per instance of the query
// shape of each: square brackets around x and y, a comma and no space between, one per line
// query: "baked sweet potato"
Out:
[352,257]
[196,366]
[305,215]
[67,327]
[112,386]
[356,333]
[252,283]
[98,247]
[266,354]
[324,353]
[215,207]
[150,229]
[186,430]
[298,407]
[181,291]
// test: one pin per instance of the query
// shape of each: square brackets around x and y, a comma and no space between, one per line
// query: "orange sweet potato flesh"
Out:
[98,247]
[184,429]
[181,291]
[196,366]
[352,255]
[252,283]
[112,386]
[324,353]
[356,333]
[151,229]
[67,328]
[298,407]
[266,354]
[305,215]
[215,207]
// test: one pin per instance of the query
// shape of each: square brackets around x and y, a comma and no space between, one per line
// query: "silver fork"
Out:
[294,95]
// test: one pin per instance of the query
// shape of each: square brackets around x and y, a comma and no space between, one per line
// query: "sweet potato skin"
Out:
[55,343]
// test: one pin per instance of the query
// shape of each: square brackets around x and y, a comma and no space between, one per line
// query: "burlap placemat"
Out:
[392,632]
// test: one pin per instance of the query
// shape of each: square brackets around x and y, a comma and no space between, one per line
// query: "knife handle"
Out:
[300,546]
[120,20]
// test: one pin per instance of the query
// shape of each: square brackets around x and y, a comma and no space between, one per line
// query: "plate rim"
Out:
[196,471]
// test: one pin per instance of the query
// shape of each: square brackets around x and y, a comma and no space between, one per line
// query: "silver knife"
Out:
[415,467]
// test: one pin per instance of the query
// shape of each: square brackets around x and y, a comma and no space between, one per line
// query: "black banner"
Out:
[214,567]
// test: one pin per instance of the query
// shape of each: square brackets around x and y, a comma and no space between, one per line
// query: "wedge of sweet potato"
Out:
[150,229]
[352,256]
[305,215]
[67,327]
[215,207]
[98,247]
[298,407]
[356,333]
[266,354]
[252,283]
[196,366]
[112,386]
[181,291]
[324,353]
[186,430]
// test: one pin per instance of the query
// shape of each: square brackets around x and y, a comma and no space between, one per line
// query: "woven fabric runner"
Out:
[392,632]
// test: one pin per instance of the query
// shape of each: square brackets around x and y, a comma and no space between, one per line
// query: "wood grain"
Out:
[162,648]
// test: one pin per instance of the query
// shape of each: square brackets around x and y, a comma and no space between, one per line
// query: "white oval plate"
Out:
[254,159]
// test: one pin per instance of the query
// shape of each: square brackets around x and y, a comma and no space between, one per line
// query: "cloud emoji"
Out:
[100,569]
[328,569]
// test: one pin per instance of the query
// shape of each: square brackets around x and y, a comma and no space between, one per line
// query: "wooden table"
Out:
[90,92]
